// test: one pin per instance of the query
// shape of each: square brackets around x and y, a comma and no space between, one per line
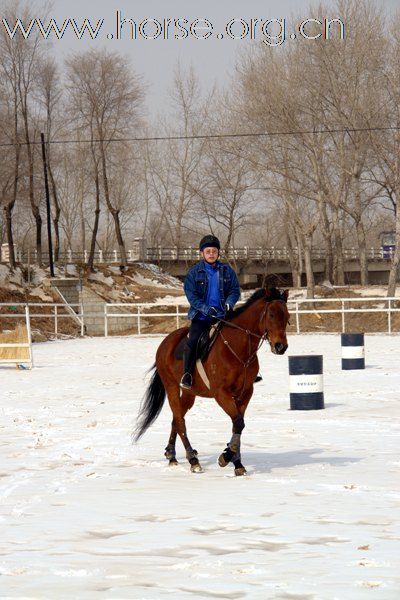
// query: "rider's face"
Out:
[210,255]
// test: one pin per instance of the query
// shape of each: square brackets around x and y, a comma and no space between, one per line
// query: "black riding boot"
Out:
[189,359]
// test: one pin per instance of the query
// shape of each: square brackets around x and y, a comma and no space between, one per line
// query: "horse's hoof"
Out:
[222,461]
[196,468]
[240,471]
[226,457]
[173,462]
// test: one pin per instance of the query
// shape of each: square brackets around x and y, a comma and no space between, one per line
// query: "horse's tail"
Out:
[151,406]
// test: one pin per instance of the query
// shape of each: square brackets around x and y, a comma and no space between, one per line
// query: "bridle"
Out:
[261,339]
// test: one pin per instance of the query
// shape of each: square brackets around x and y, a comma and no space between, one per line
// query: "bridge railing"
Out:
[161,253]
[191,254]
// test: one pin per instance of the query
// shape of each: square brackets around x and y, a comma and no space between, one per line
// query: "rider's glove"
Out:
[212,311]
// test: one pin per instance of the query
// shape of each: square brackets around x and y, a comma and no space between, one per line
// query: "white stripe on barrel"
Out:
[306,382]
[353,351]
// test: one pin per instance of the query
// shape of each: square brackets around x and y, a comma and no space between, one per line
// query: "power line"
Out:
[211,136]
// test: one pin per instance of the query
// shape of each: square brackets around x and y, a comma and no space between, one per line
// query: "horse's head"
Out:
[274,320]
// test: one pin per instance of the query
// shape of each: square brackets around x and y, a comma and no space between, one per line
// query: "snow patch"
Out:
[101,278]
[84,508]
[39,293]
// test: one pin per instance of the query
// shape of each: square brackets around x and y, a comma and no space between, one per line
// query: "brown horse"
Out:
[231,367]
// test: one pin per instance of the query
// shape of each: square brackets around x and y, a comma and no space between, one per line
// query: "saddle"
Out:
[204,344]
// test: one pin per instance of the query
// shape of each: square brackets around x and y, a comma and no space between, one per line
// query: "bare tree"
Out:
[49,93]
[106,95]
[385,170]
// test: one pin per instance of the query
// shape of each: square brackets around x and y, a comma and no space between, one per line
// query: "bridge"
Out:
[255,263]
[251,263]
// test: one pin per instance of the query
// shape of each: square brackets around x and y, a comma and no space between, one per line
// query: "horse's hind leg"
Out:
[170,451]
[180,404]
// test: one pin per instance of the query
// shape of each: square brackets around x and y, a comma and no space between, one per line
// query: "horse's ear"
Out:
[285,295]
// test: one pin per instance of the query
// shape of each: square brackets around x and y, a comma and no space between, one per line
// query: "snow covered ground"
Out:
[83,514]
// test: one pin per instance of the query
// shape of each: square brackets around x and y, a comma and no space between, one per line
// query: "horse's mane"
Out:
[268,293]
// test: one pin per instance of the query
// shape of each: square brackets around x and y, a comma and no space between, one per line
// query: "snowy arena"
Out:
[86,514]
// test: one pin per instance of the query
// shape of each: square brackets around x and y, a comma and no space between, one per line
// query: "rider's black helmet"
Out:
[209,241]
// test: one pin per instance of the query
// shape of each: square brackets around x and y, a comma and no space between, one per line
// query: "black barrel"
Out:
[353,353]
[306,382]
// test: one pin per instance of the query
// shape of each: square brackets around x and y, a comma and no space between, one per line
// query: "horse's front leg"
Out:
[236,412]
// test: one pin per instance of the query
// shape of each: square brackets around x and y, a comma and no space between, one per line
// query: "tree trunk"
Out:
[96,218]
[394,269]
[120,241]
[362,247]
[294,260]
[326,232]
[8,208]
[8,219]
[34,206]
[56,219]
[308,265]
[83,228]
[38,222]
[338,272]
[113,211]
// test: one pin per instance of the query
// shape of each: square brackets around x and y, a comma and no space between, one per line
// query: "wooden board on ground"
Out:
[15,346]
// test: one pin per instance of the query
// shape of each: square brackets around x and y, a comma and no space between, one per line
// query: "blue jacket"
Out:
[196,285]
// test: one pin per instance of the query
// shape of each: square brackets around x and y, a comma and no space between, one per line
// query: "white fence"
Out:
[143,312]
[54,312]
[344,309]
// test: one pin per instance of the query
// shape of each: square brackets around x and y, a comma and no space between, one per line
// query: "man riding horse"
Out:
[212,289]
[229,369]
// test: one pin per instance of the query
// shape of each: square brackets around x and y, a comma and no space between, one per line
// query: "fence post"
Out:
[115,256]
[85,256]
[105,321]
[343,322]
[177,316]
[138,321]
[297,318]
[100,256]
[82,318]
[390,317]
[29,332]
[55,321]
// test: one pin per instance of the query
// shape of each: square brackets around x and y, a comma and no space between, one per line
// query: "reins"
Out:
[251,355]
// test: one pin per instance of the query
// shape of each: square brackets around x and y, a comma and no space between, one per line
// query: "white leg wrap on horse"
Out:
[234,444]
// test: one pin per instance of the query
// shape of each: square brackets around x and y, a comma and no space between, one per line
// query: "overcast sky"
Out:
[155,59]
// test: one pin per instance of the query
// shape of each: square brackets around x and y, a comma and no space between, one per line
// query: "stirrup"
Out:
[186,381]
